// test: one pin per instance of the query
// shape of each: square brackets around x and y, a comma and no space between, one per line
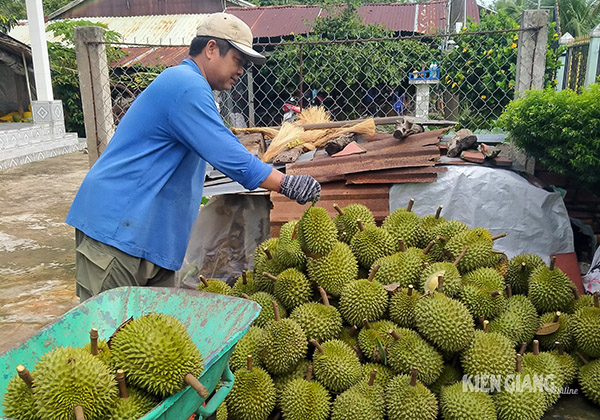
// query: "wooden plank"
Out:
[365,178]
[378,121]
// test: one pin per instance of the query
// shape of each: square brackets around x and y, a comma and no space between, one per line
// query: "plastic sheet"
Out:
[224,237]
[591,281]
[500,200]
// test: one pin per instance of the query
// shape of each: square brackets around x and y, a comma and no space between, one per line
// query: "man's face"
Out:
[225,70]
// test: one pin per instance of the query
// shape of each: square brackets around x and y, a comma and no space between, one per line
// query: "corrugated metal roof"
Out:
[395,16]
[271,21]
[152,56]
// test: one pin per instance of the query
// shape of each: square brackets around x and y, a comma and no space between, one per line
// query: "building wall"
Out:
[104,8]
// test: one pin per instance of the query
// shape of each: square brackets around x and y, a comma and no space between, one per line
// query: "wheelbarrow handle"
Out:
[207,410]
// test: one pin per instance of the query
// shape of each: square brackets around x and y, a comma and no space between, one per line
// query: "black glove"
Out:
[302,188]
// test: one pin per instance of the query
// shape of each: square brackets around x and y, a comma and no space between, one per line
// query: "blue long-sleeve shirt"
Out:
[143,194]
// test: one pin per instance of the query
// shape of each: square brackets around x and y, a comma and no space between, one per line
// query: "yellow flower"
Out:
[513,45]
[516,37]
[490,51]
[468,71]
[483,96]
[464,28]
[469,62]
[555,36]
[453,85]
[502,71]
[465,49]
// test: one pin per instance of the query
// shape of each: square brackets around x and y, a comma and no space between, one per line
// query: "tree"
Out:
[6,23]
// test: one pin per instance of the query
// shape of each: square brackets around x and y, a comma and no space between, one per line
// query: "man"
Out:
[135,209]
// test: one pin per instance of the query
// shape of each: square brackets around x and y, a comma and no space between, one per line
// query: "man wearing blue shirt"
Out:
[135,209]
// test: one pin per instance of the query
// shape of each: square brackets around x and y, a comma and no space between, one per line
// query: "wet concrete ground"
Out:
[37,259]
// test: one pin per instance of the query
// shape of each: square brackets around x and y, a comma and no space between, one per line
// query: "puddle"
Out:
[10,243]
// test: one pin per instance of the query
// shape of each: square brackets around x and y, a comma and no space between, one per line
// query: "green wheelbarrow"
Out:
[214,322]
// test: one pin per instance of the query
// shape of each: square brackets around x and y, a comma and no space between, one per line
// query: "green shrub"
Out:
[561,130]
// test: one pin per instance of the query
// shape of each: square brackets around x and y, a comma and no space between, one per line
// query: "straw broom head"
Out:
[289,134]
[268,133]
[364,127]
[313,115]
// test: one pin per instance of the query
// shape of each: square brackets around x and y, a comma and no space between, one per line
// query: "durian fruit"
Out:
[401,268]
[363,299]
[520,268]
[299,372]
[292,288]
[282,345]
[479,243]
[445,322]
[384,373]
[449,376]
[482,293]
[169,364]
[322,322]
[489,354]
[133,404]
[345,220]
[404,224]
[317,233]
[374,338]
[562,334]
[519,399]
[349,335]
[551,290]
[305,399]
[402,307]
[289,252]
[544,363]
[586,328]
[244,284]
[221,413]
[519,321]
[567,363]
[582,301]
[428,226]
[98,348]
[459,404]
[265,300]
[409,350]
[252,396]
[364,401]
[19,402]
[371,243]
[589,379]
[266,261]
[408,399]
[213,286]
[336,365]
[69,381]
[452,285]
[334,270]
[442,233]
[247,345]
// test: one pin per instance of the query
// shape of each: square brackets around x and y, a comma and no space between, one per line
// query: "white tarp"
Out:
[497,199]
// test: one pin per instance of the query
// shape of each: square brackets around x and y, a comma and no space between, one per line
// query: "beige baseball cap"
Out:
[232,29]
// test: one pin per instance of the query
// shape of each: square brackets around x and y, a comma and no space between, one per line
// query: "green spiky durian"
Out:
[345,220]
[66,377]
[292,288]
[221,413]
[409,350]
[520,400]
[458,404]
[520,268]
[449,376]
[244,284]
[429,224]
[349,335]
[104,354]
[551,290]
[405,225]
[247,345]
[134,405]
[371,243]
[545,363]
[19,402]
[445,322]
[363,299]
[562,335]
[482,293]
[402,307]
[583,301]
[322,322]
[479,244]
[213,286]
[589,380]
[519,321]
[317,233]
[403,268]
[282,345]
[383,376]
[452,285]
[567,363]
[408,399]
[289,251]
[336,365]
[374,338]
[489,354]
[266,261]
[585,324]
[442,233]
[304,399]
[361,402]
[252,396]
[299,372]
[265,300]
[334,270]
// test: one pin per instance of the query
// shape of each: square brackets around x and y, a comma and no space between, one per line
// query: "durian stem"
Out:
[410,290]
[481,319]
[486,325]
[200,389]
[552,263]
[502,235]
[309,373]
[556,316]
[78,410]
[268,253]
[353,330]
[317,345]
[249,362]
[402,245]
[496,251]
[411,202]
[495,293]
[338,209]
[536,347]
[395,335]
[269,276]
[509,290]
[361,227]
[523,266]
[460,256]
[575,292]
[523,348]
[366,324]
[583,359]
[429,246]
[244,278]
[324,297]
[203,280]
[245,296]
[94,341]
[413,376]
[276,312]
[374,271]
[25,374]
[596,300]
[372,377]
[121,383]
[560,347]
[441,239]
[439,211]
[519,364]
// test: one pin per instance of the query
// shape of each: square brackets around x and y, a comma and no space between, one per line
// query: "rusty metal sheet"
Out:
[270,21]
[152,56]
[396,176]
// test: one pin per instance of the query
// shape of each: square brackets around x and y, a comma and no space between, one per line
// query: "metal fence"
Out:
[576,63]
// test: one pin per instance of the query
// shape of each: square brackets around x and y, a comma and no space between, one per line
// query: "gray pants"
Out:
[100,267]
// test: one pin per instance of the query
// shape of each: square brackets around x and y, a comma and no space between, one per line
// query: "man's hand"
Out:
[302,188]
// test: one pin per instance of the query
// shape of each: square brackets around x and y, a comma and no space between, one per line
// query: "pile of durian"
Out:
[370,322]
[153,354]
